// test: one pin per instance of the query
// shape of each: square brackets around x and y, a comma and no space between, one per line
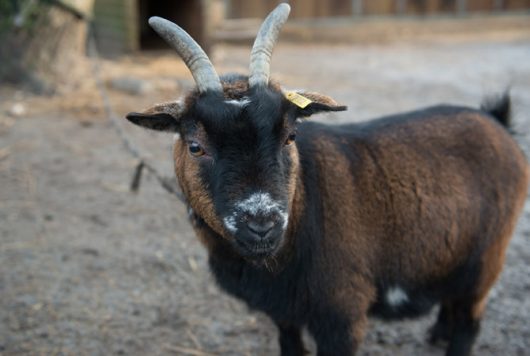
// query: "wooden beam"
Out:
[498,4]
[401,7]
[357,7]
[461,7]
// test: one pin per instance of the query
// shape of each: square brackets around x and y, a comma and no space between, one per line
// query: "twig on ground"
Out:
[187,350]
[142,163]
[5,152]
[193,338]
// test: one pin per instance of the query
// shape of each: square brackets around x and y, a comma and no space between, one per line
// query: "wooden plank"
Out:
[379,7]
[401,7]
[480,5]
[302,8]
[461,7]
[131,23]
[424,7]
[110,26]
[517,4]
[357,7]
[342,8]
[250,8]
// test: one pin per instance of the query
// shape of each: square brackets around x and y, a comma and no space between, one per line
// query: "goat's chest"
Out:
[280,295]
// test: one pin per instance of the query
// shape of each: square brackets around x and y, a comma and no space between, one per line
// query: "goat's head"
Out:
[235,158]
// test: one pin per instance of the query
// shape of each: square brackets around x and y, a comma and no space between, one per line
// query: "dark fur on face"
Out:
[245,159]
[246,166]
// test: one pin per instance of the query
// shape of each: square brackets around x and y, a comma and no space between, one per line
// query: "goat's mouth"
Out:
[257,250]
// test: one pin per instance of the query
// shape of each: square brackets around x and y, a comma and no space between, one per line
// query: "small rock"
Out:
[86,123]
[17,110]
[134,86]
[90,251]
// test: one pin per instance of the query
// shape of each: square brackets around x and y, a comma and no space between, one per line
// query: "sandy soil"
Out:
[86,267]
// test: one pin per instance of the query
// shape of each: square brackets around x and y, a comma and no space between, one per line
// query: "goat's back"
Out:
[417,198]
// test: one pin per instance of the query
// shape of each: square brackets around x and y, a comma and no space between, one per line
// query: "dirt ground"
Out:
[89,268]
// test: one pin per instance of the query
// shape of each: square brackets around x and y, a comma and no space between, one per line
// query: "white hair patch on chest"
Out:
[396,296]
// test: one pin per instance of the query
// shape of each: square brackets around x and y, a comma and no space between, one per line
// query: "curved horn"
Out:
[192,54]
[260,57]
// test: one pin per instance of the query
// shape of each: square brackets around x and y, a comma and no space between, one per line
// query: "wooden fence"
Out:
[347,8]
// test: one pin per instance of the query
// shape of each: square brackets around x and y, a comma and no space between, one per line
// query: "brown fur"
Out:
[494,255]
[319,98]
[187,172]
[414,182]
[173,108]
[368,212]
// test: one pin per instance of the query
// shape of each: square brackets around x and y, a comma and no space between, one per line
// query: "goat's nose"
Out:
[260,228]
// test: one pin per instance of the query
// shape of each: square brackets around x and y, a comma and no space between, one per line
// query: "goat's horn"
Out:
[192,54]
[260,57]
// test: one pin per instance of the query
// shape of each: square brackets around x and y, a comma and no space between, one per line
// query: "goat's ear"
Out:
[309,103]
[161,117]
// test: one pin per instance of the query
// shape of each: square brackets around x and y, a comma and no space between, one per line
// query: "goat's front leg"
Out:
[338,333]
[337,338]
[290,340]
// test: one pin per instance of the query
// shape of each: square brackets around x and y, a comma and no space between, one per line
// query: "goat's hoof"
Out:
[439,335]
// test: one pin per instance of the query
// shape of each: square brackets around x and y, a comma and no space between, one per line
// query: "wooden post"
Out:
[46,52]
[498,4]
[357,7]
[461,7]
[401,7]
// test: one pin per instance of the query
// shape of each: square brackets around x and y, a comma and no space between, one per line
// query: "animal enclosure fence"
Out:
[346,8]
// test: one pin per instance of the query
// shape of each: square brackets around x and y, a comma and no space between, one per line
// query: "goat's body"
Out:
[447,181]
[387,217]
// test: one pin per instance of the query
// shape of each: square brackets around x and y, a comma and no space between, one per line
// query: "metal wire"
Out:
[169,184]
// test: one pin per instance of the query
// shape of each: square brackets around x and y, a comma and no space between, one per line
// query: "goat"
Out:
[320,226]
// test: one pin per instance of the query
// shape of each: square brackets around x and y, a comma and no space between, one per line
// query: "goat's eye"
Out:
[290,139]
[195,149]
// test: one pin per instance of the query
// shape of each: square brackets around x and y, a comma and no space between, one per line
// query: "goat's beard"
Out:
[271,261]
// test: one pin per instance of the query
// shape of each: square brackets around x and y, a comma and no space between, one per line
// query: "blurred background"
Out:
[89,267]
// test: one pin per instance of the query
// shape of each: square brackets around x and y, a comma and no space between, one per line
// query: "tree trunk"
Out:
[43,44]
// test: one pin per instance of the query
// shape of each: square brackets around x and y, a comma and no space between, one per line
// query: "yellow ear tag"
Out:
[297,99]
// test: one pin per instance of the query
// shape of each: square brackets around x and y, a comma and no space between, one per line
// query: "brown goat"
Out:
[320,225]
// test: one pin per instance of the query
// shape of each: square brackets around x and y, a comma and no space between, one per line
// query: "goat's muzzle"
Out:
[259,238]
[257,225]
